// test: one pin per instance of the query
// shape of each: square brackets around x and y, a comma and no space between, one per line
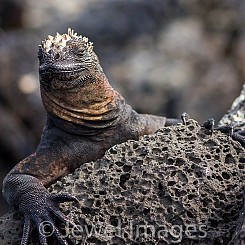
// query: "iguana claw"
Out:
[43,217]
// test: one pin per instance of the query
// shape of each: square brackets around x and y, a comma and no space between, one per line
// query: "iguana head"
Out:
[67,61]
[72,83]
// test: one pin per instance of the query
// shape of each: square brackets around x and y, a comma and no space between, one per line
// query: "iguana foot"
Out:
[228,130]
[39,207]
[209,125]
[41,212]
[238,135]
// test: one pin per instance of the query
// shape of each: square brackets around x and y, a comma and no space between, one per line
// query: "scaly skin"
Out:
[85,117]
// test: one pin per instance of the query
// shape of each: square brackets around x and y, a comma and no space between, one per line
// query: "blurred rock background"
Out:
[164,56]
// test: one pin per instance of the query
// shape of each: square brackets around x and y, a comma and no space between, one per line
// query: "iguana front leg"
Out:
[36,204]
[25,186]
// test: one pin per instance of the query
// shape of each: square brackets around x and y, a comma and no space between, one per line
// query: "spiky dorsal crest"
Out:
[58,42]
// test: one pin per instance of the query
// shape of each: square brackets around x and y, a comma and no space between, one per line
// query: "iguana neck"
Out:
[94,105]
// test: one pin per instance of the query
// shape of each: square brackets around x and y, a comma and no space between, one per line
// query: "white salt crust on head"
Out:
[58,42]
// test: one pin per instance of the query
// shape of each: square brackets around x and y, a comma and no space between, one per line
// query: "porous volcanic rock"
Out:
[180,185]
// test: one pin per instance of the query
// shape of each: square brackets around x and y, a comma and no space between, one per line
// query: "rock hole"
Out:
[127,168]
[171,183]
[242,160]
[119,164]
[229,159]
[123,179]
[146,211]
[225,175]
[179,162]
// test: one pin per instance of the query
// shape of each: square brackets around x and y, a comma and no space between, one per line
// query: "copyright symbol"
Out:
[46,229]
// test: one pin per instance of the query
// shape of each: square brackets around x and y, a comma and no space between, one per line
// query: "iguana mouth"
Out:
[62,73]
[65,79]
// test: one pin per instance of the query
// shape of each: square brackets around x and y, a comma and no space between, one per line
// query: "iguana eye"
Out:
[80,51]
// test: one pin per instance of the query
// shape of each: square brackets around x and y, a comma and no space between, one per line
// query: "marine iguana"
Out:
[85,117]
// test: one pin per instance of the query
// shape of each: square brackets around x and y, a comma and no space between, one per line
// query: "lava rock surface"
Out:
[178,186]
